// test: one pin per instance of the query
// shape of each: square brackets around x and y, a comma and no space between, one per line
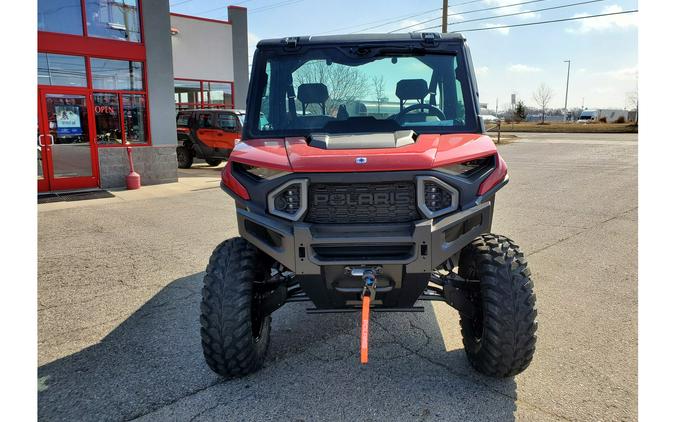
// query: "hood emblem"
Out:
[361,160]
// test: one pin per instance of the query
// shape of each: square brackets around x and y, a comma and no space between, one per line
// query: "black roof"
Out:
[362,38]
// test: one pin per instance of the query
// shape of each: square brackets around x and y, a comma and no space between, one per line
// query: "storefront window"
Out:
[114,19]
[202,94]
[188,93]
[63,16]
[218,93]
[117,74]
[58,69]
[134,118]
[107,114]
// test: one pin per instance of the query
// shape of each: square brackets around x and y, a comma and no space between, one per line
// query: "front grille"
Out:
[362,203]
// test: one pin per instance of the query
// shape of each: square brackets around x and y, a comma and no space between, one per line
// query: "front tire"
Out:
[235,335]
[499,340]
[184,157]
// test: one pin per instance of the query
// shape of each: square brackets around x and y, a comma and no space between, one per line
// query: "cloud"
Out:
[523,68]
[508,7]
[411,25]
[482,70]
[529,15]
[604,23]
[503,31]
[625,74]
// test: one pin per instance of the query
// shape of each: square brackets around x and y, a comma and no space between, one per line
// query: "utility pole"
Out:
[445,16]
[497,106]
[567,85]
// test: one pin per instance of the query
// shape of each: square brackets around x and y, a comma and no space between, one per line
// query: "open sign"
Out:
[104,109]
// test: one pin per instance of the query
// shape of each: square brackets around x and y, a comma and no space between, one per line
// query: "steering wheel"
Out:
[433,110]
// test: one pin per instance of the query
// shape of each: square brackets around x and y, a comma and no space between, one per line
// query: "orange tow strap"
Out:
[365,315]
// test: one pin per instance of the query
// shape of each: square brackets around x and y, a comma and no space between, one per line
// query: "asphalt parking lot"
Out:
[119,290]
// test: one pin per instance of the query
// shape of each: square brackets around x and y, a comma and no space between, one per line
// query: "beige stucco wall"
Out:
[202,49]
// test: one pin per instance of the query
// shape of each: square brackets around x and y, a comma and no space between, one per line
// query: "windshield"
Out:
[331,90]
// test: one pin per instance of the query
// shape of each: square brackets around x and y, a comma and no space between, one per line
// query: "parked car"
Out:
[209,134]
[489,118]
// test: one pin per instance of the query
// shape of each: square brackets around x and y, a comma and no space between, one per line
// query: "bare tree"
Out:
[378,90]
[632,100]
[542,96]
[344,83]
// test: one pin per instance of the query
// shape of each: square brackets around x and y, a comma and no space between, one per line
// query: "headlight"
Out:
[435,197]
[261,173]
[289,200]
[467,168]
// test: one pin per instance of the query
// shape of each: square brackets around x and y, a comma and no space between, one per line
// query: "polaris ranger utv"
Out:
[358,202]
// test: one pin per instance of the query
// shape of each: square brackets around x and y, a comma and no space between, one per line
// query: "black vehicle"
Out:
[371,209]
[209,134]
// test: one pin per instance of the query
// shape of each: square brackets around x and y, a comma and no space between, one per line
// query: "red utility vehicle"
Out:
[209,134]
[364,182]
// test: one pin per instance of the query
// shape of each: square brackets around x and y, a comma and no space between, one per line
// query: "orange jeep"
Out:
[208,134]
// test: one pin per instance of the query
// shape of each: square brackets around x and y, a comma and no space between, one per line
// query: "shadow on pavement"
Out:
[151,365]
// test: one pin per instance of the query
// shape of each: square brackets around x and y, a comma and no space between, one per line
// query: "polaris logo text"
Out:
[383,198]
[361,160]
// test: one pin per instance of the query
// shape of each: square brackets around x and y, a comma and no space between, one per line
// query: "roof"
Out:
[362,38]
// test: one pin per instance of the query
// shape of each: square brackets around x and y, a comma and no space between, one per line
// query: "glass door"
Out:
[65,140]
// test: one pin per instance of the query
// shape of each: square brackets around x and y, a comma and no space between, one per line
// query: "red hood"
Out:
[428,151]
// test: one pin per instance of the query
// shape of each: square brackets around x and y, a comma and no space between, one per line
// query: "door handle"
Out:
[51,137]
[40,139]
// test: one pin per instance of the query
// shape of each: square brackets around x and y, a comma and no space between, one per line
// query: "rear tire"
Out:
[235,336]
[213,161]
[184,157]
[499,340]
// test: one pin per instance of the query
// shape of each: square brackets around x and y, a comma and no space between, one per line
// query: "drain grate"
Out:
[73,196]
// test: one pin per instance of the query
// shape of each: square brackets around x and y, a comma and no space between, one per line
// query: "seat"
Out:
[342,113]
[411,89]
[314,93]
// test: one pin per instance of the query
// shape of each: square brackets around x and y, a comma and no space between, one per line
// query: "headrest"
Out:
[312,93]
[411,89]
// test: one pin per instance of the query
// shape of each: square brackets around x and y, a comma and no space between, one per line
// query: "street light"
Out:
[567,85]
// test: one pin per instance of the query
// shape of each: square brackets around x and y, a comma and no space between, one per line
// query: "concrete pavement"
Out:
[119,290]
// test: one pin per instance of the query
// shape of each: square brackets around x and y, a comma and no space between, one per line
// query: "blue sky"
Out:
[603,50]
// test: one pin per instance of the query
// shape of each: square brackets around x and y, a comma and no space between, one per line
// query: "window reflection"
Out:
[134,118]
[116,74]
[107,113]
[188,93]
[219,93]
[63,16]
[115,19]
[59,69]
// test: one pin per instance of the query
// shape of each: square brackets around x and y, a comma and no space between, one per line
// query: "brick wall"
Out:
[155,164]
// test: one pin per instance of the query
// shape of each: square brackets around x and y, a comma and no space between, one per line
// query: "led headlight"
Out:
[435,197]
[467,168]
[261,173]
[289,200]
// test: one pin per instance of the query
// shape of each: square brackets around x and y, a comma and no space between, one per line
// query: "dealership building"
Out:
[111,75]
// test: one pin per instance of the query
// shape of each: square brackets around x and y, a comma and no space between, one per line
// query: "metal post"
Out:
[567,85]
[445,16]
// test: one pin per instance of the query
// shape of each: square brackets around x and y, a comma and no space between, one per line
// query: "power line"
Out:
[527,11]
[391,20]
[222,7]
[469,12]
[396,19]
[535,23]
[275,5]
[424,13]
[180,2]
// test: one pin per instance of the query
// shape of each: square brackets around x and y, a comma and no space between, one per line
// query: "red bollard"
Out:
[133,178]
